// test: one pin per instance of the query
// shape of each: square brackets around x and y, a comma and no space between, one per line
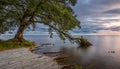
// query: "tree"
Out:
[58,15]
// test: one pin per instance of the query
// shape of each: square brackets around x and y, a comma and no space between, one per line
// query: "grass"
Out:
[13,44]
[72,67]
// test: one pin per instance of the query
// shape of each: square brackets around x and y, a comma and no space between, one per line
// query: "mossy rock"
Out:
[85,42]
[71,67]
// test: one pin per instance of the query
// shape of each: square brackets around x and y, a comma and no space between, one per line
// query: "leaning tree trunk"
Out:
[19,34]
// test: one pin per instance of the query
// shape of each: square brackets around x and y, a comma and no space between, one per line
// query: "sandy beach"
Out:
[22,58]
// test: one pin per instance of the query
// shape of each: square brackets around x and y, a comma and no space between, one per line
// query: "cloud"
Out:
[88,8]
[113,11]
[95,14]
[114,28]
[105,32]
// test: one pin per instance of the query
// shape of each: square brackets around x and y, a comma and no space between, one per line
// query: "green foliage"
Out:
[12,43]
[58,15]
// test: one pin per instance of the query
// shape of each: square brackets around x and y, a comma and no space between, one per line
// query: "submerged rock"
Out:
[71,67]
[111,51]
[85,42]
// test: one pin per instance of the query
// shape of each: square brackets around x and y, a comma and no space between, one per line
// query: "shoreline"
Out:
[23,58]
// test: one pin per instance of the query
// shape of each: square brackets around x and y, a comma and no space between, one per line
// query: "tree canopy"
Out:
[58,15]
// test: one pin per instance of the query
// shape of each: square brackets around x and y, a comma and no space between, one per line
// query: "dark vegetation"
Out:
[84,42]
[71,67]
[58,15]
[12,44]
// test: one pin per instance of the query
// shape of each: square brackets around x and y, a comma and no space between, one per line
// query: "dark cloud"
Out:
[105,2]
[93,14]
[91,8]
[115,28]
[113,11]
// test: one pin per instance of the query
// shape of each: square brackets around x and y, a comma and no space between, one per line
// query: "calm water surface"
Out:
[104,54]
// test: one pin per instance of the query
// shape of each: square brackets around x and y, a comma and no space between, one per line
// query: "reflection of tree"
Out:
[75,53]
[72,53]
[83,47]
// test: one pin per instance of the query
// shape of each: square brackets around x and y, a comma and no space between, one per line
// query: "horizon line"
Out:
[57,34]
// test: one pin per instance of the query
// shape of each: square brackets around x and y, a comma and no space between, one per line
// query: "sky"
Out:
[96,17]
[99,16]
